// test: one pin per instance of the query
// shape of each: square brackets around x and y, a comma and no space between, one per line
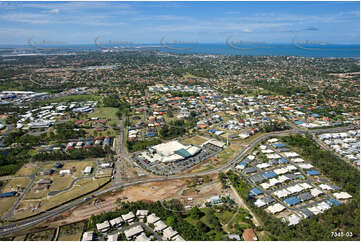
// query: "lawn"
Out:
[228,153]
[104,173]
[79,167]
[27,169]
[6,204]
[105,112]
[204,168]
[7,239]
[106,132]
[224,217]
[26,209]
[45,235]
[75,98]
[62,182]
[251,138]
[20,238]
[239,219]
[71,232]
[80,188]
[195,140]
[12,184]
[263,236]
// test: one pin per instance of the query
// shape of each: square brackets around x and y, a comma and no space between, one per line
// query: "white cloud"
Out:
[54,10]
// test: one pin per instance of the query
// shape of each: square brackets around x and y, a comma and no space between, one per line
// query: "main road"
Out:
[17,226]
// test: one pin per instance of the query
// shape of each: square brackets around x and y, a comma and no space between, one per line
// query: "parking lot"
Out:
[158,168]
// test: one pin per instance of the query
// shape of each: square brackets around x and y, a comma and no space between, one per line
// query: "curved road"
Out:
[7,229]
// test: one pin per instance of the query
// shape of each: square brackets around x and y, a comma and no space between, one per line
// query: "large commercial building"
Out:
[170,152]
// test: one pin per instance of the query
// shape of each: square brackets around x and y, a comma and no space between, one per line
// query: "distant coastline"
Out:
[316,51]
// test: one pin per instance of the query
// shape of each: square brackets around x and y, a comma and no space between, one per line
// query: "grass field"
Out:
[6,204]
[20,238]
[12,184]
[224,217]
[206,167]
[61,182]
[104,173]
[79,166]
[105,112]
[71,232]
[195,140]
[27,169]
[249,139]
[80,188]
[75,98]
[45,235]
[263,236]
[7,238]
[26,209]
[228,153]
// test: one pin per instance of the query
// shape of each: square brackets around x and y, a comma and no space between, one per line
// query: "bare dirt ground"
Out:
[147,192]
[154,191]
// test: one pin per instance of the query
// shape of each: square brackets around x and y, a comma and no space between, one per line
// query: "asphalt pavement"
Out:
[11,228]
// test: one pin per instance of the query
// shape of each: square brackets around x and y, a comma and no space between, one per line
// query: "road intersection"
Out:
[20,225]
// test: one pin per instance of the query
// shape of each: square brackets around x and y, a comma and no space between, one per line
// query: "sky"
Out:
[179,22]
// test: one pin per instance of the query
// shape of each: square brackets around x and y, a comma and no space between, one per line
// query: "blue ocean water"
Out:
[337,51]
[268,50]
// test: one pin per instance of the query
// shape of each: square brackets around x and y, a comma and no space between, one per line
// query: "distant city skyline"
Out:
[179,22]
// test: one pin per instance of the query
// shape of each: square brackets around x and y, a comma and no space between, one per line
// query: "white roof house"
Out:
[88,236]
[305,165]
[259,203]
[142,237]
[283,178]
[315,192]
[290,154]
[106,165]
[142,213]
[102,227]
[169,233]
[88,170]
[305,185]
[342,195]
[263,165]
[116,222]
[282,193]
[112,237]
[130,233]
[293,219]
[315,210]
[129,217]
[267,151]
[291,168]
[178,238]
[296,188]
[265,185]
[273,156]
[61,172]
[323,206]
[325,187]
[273,181]
[297,160]
[159,226]
[276,208]
[280,171]
[152,218]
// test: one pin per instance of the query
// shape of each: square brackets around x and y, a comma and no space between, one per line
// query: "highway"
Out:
[17,226]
